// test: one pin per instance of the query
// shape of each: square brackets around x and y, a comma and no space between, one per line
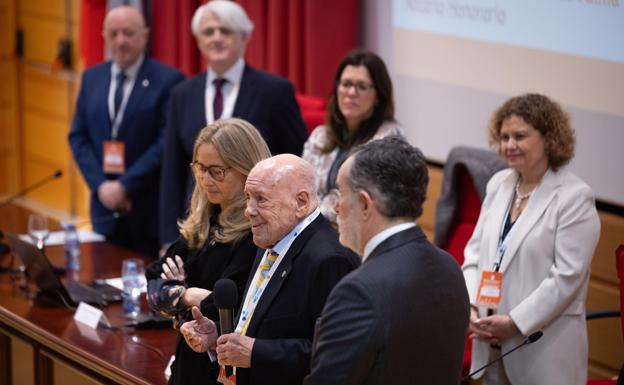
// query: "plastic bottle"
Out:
[133,280]
[72,248]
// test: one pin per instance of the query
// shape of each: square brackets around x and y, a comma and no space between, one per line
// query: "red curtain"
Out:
[172,40]
[302,40]
[90,40]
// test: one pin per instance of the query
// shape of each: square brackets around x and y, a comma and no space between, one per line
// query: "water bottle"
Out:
[72,248]
[133,278]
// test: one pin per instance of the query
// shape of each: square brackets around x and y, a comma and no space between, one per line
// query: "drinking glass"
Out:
[38,229]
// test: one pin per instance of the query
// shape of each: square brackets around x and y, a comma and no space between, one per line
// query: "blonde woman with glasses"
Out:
[215,239]
[360,109]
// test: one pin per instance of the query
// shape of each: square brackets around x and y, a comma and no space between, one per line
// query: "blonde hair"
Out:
[241,146]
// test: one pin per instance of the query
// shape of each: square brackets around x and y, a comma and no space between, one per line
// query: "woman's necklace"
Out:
[521,197]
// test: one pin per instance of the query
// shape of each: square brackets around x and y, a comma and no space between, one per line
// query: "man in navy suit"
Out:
[117,132]
[229,88]
[299,262]
[402,316]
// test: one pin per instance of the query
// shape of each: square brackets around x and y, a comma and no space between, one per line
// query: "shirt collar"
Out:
[383,235]
[131,72]
[284,243]
[233,75]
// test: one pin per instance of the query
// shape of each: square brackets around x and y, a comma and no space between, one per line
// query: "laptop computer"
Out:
[52,292]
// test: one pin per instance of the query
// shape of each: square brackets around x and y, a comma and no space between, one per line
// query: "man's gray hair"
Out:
[229,13]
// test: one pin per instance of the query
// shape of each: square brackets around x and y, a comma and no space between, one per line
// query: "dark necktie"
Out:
[121,79]
[217,102]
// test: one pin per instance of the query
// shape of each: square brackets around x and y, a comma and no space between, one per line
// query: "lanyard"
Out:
[254,293]
[502,240]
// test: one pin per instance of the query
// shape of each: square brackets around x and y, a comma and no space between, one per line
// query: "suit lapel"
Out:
[533,211]
[102,99]
[281,274]
[495,222]
[141,85]
[244,97]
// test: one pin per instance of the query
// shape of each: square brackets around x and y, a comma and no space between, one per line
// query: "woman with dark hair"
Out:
[360,109]
[215,241]
[528,261]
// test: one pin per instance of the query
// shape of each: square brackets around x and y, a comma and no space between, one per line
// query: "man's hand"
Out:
[112,194]
[201,333]
[235,350]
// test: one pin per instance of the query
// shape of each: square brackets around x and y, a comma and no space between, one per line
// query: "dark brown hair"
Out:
[338,133]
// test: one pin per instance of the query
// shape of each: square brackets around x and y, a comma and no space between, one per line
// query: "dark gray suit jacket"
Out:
[400,318]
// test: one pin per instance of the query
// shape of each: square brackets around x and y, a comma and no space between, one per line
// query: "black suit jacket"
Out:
[284,319]
[142,132]
[400,318]
[266,101]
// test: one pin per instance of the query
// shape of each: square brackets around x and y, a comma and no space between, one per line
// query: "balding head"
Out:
[125,35]
[280,193]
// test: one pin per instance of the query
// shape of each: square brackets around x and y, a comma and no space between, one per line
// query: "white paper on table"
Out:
[118,283]
[57,238]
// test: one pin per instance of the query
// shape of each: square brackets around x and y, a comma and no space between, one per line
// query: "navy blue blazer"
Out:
[400,318]
[266,101]
[141,130]
[284,319]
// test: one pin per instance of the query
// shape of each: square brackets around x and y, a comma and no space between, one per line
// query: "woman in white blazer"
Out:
[538,227]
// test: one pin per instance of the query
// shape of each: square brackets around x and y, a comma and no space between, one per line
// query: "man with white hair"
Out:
[298,263]
[229,88]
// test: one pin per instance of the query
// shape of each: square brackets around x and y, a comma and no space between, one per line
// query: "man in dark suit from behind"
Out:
[402,316]
[229,88]
[274,328]
[117,130]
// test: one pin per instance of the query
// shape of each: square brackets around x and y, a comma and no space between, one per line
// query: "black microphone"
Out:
[57,174]
[226,299]
[529,340]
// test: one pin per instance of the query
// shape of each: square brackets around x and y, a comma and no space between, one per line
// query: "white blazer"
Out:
[546,268]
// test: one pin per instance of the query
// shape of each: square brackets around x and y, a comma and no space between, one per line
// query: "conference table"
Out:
[45,345]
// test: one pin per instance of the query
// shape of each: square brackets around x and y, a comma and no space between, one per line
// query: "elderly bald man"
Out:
[302,260]
[117,130]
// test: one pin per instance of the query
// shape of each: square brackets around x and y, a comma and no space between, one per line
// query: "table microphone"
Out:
[57,174]
[529,340]
[226,299]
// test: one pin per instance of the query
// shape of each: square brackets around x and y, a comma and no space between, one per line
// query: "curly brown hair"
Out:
[547,117]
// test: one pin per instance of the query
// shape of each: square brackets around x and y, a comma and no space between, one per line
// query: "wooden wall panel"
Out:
[22,362]
[9,137]
[41,37]
[427,220]
[46,94]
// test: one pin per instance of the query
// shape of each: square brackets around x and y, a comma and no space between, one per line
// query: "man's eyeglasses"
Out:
[216,172]
[360,87]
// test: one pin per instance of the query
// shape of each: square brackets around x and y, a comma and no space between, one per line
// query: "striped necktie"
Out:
[265,267]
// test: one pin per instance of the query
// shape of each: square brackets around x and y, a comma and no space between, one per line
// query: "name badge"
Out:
[489,293]
[113,161]
[224,379]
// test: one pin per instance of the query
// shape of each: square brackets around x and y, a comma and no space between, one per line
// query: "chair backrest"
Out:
[466,215]
[619,263]
[466,173]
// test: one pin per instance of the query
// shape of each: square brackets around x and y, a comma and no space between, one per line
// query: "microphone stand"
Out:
[529,340]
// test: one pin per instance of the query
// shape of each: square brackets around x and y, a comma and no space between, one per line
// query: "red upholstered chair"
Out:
[312,110]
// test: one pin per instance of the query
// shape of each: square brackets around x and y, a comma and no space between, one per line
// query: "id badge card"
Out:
[224,379]
[113,161]
[490,288]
